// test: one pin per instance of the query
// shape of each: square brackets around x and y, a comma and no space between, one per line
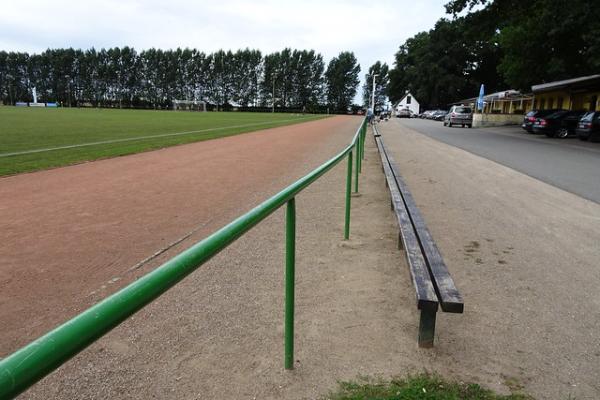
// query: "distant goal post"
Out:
[189,105]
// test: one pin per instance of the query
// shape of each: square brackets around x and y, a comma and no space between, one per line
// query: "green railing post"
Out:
[290,266]
[359,153]
[348,190]
[357,147]
[363,137]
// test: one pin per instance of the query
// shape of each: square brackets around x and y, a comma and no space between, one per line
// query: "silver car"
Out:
[403,113]
[459,115]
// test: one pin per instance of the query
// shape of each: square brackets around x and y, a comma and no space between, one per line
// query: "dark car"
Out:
[439,115]
[589,126]
[560,124]
[531,116]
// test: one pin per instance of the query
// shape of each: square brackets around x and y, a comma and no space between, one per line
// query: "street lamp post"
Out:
[273,102]
[373,94]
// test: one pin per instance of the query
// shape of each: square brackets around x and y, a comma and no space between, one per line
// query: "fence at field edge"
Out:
[26,366]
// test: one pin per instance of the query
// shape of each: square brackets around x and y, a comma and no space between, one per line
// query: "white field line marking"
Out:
[18,153]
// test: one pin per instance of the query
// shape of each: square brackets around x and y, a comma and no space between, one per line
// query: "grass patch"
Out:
[41,129]
[422,387]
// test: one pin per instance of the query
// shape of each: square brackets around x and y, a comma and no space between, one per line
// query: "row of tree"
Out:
[123,77]
[501,43]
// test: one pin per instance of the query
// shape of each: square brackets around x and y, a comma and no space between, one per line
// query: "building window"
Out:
[407,99]
[542,104]
[550,102]
[559,102]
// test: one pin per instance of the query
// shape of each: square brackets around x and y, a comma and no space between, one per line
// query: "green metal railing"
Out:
[31,363]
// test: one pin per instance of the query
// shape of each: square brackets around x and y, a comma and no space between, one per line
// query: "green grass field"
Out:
[38,138]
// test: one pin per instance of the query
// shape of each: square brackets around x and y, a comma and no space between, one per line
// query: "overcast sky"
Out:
[373,30]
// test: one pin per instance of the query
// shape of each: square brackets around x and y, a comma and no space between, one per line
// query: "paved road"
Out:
[568,164]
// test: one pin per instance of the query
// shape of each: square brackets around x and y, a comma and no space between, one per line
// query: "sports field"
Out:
[38,138]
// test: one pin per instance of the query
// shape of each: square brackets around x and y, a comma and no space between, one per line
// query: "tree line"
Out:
[153,78]
[500,43]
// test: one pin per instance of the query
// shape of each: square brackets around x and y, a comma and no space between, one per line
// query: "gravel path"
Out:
[219,333]
[524,255]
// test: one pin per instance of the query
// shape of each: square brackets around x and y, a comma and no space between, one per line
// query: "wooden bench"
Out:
[432,281]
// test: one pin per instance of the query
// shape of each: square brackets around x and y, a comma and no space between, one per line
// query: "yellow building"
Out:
[571,94]
[505,102]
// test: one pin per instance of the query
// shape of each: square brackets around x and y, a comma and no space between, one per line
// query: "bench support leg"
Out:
[427,328]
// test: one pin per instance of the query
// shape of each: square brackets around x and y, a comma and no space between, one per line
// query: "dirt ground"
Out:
[219,333]
[72,235]
[531,300]
[524,255]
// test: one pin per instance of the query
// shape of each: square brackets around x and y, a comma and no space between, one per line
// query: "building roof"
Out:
[403,97]
[574,83]
[509,94]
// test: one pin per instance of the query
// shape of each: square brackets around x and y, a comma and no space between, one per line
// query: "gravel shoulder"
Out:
[524,255]
[219,333]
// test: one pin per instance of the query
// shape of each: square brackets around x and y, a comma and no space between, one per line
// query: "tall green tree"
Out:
[501,43]
[539,40]
[436,66]
[122,77]
[382,82]
[307,78]
[342,81]
[295,77]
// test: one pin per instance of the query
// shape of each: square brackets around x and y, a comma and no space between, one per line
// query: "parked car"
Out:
[459,115]
[431,114]
[439,115]
[559,124]
[403,113]
[589,126]
[531,116]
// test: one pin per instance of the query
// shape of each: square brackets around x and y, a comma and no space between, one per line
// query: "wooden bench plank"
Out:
[449,296]
[412,227]
[424,288]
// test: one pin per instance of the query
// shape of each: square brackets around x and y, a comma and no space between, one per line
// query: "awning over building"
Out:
[505,102]
[580,94]
[584,83]
[505,95]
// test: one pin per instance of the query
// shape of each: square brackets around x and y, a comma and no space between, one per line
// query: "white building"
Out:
[408,101]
